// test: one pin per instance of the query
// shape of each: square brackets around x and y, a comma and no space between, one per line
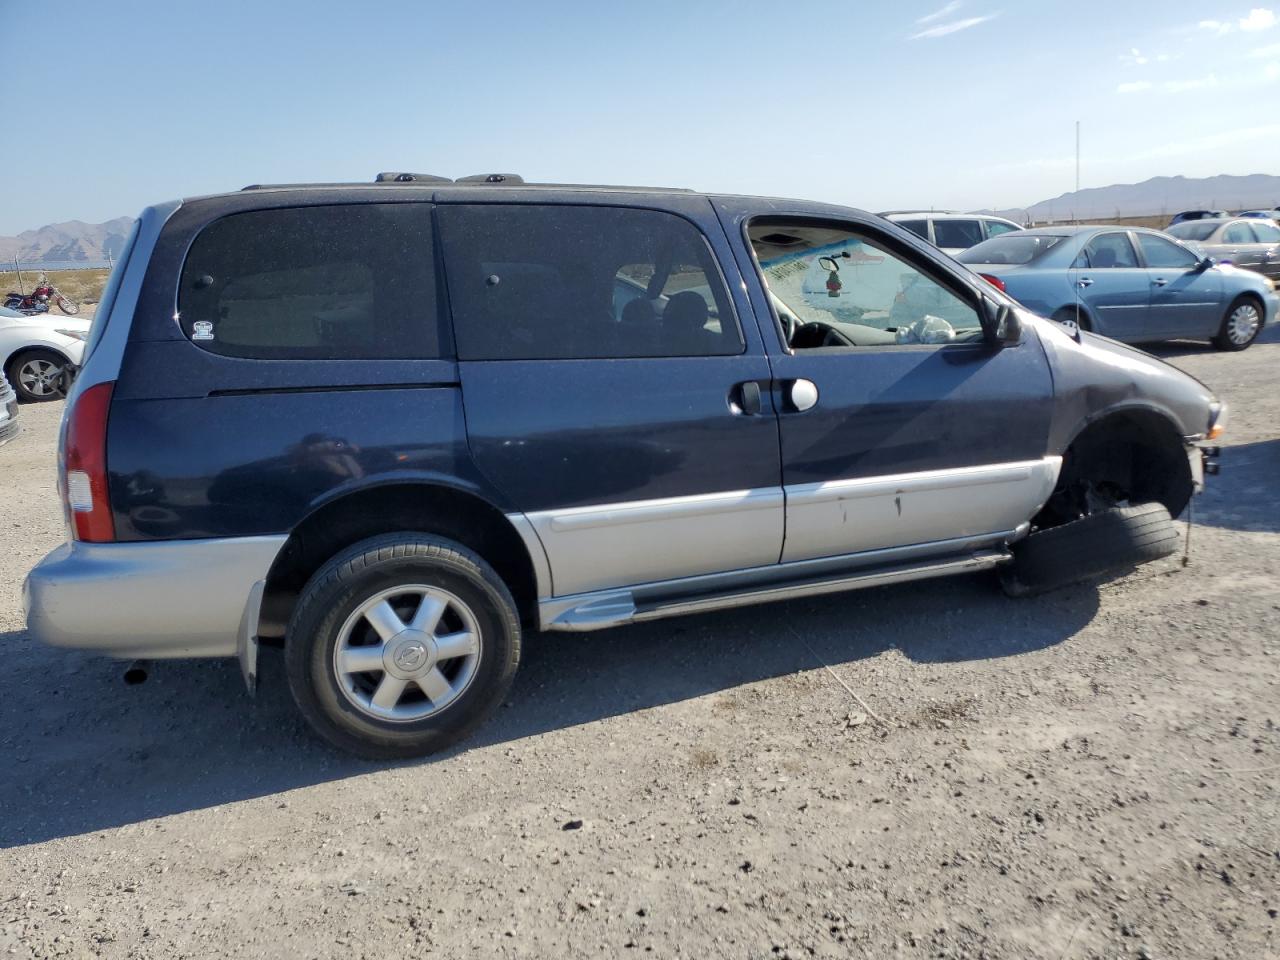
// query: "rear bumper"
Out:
[155,600]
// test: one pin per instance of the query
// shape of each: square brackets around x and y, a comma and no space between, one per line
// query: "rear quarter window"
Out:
[957,233]
[919,227]
[336,282]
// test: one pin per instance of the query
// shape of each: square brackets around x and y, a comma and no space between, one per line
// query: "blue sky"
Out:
[950,104]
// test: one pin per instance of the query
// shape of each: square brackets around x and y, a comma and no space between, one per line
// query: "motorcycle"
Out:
[39,299]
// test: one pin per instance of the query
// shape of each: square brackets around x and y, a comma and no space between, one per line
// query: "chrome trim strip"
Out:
[614,608]
[925,481]
[537,554]
[154,599]
[669,508]
[852,516]
[560,613]
[615,545]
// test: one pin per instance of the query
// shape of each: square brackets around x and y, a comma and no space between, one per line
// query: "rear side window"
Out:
[1111,251]
[341,282]
[1266,232]
[957,233]
[1238,233]
[575,282]
[919,227]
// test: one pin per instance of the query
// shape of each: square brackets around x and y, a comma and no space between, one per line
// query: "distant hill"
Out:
[1159,195]
[73,240]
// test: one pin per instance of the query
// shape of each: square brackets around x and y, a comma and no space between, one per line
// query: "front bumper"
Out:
[152,600]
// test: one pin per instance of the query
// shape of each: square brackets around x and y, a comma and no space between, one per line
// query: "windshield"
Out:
[1020,248]
[1192,230]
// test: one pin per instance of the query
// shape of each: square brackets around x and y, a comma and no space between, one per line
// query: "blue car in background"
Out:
[1127,283]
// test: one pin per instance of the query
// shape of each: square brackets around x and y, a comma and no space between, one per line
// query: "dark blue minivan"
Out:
[387,426]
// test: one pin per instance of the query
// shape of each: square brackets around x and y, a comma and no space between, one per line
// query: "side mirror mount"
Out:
[1204,264]
[1000,323]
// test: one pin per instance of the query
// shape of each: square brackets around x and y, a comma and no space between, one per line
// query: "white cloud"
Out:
[1138,86]
[1182,86]
[1263,53]
[946,11]
[955,26]
[1136,58]
[1259,18]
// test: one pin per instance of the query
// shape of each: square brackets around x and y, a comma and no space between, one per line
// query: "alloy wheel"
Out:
[40,378]
[407,653]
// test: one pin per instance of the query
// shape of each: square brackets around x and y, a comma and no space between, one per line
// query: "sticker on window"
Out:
[202,330]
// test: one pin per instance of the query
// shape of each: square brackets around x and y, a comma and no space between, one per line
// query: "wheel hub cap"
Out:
[1243,324]
[411,655]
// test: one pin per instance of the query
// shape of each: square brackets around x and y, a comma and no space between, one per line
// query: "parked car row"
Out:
[36,350]
[1128,283]
[1189,215]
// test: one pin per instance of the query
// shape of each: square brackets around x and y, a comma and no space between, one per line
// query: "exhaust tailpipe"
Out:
[137,672]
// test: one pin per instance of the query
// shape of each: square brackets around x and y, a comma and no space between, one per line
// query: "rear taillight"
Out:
[84,465]
[994,281]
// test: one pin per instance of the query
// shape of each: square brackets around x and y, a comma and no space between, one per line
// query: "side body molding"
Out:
[594,550]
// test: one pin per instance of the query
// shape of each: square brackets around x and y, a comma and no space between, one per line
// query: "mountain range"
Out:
[70,241]
[1159,195]
[78,241]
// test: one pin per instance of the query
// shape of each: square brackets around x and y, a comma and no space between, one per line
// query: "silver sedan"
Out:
[1249,243]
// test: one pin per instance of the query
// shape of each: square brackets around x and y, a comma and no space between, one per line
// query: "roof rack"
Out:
[492,178]
[395,177]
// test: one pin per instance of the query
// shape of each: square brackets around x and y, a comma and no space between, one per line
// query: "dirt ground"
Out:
[928,770]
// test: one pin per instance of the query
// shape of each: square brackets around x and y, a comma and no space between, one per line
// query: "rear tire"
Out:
[1108,542]
[401,645]
[1240,325]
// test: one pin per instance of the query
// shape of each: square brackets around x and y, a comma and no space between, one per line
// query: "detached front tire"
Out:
[1107,542]
[401,645]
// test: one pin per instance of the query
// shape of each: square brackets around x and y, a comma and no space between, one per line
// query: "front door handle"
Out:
[1159,281]
[803,395]
[1084,282]
[744,398]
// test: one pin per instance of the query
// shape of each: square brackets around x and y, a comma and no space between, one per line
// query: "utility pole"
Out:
[1077,156]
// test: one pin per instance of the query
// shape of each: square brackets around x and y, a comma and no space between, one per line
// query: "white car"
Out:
[951,232]
[35,350]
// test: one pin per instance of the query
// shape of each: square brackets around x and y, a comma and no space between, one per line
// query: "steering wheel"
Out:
[785,317]
[836,338]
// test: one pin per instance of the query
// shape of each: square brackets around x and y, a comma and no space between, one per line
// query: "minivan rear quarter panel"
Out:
[204,445]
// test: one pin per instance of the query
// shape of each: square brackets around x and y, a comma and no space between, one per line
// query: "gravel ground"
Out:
[928,770]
